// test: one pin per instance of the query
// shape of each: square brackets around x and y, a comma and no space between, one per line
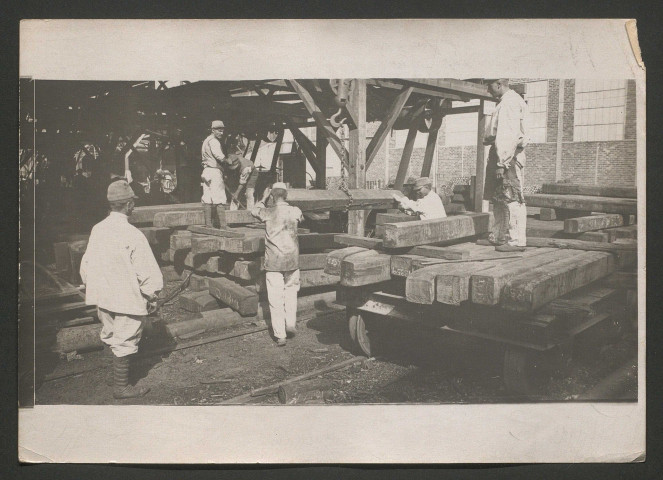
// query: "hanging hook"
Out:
[337,123]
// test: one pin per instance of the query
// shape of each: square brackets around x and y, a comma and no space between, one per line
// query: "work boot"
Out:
[290,333]
[509,248]
[122,388]
[280,342]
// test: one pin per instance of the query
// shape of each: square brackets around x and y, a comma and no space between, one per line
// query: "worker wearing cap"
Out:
[214,190]
[281,259]
[246,176]
[506,134]
[122,278]
[428,204]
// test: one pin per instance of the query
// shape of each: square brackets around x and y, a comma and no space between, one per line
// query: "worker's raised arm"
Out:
[150,278]
[258,209]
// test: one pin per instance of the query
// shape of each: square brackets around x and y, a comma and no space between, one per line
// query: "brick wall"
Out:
[599,163]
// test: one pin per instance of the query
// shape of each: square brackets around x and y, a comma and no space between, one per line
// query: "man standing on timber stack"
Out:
[428,204]
[505,167]
[214,190]
[246,176]
[281,259]
[122,278]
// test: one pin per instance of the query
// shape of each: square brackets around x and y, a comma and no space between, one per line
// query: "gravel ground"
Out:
[413,366]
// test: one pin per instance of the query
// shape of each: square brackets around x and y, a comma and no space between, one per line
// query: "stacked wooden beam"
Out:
[565,198]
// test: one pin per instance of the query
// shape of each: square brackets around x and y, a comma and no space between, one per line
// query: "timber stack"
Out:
[444,264]
[225,265]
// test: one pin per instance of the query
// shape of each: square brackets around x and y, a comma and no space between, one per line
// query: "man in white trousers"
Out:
[122,278]
[281,259]
[505,169]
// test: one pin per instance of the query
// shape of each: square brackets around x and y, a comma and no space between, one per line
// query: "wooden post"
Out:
[479,204]
[256,146]
[321,155]
[431,144]
[560,132]
[405,158]
[277,150]
[357,159]
[386,125]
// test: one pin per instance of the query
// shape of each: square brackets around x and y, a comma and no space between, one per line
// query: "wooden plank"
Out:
[547,214]
[317,278]
[333,260]
[206,244]
[555,229]
[246,269]
[404,164]
[197,283]
[358,270]
[486,287]
[581,245]
[146,214]
[630,231]
[312,261]
[357,241]
[76,252]
[540,285]
[421,232]
[456,252]
[387,124]
[356,106]
[197,302]
[181,240]
[306,145]
[583,202]
[401,265]
[218,232]
[452,287]
[382,218]
[590,190]
[321,200]
[179,219]
[157,236]
[204,262]
[580,303]
[234,295]
[593,222]
[321,155]
[240,217]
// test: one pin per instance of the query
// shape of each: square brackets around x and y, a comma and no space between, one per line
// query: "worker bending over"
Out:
[505,176]
[244,173]
[428,204]
[281,259]
[214,190]
[122,278]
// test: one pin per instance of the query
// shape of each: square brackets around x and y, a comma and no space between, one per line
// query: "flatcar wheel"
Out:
[364,334]
[525,371]
[352,325]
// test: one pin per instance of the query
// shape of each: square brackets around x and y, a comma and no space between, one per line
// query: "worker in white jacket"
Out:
[505,169]
[428,204]
[122,278]
[214,189]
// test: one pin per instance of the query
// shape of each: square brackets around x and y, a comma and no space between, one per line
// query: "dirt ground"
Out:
[413,366]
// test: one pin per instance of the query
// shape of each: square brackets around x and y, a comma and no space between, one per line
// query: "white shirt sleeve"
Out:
[147,270]
[215,148]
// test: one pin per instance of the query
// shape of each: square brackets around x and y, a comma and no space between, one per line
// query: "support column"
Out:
[560,132]
[480,205]
[321,155]
[405,157]
[357,159]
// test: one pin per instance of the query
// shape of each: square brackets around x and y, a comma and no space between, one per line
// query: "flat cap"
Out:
[120,190]
[218,124]
[422,182]
[279,185]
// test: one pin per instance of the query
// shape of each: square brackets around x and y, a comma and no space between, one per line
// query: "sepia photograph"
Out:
[323,241]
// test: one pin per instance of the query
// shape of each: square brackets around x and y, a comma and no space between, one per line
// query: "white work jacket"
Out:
[508,128]
[118,268]
[428,207]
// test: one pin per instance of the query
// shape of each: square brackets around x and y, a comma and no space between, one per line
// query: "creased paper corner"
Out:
[632,32]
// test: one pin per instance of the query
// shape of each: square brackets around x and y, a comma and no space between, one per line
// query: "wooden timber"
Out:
[583,202]
[358,270]
[581,245]
[593,222]
[540,285]
[206,244]
[179,219]
[197,302]
[486,286]
[595,191]
[404,164]
[625,280]
[218,232]
[555,229]
[547,214]
[421,232]
[382,218]
[234,295]
[357,241]
[581,303]
[387,124]
[157,236]
[317,278]
[333,261]
[146,214]
[322,200]
[452,287]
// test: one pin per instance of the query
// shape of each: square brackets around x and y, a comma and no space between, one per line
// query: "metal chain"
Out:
[343,186]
